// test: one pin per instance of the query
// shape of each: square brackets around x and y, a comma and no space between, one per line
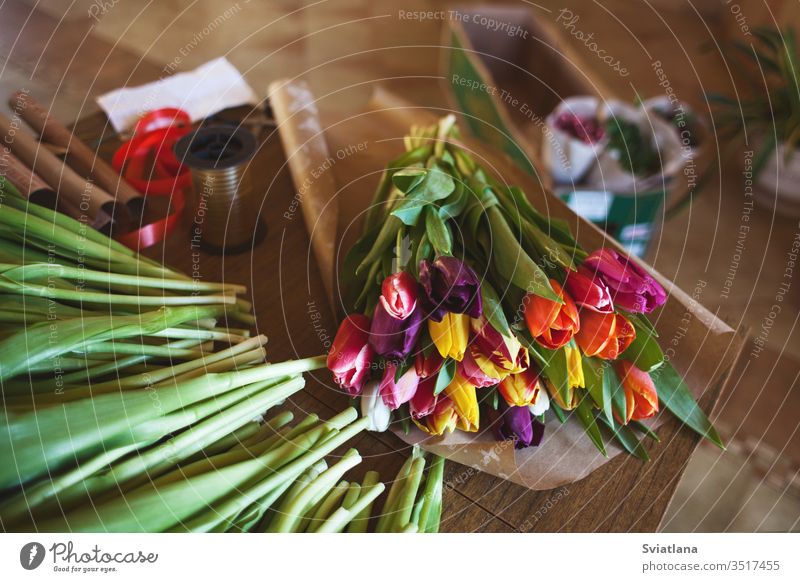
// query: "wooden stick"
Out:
[80,156]
[81,193]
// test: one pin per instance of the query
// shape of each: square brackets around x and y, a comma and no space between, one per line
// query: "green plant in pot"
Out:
[768,115]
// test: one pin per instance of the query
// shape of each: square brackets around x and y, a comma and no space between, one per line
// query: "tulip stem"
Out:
[361,520]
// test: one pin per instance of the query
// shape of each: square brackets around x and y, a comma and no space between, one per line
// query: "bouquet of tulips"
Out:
[471,310]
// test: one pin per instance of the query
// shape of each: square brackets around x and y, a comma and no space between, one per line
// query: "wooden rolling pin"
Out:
[80,156]
[88,197]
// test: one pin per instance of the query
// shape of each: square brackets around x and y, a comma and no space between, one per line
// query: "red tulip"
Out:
[399,295]
[641,398]
[551,324]
[605,335]
[424,401]
[395,393]
[427,366]
[588,290]
[350,356]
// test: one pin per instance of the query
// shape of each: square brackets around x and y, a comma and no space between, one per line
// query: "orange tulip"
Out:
[551,324]
[641,398]
[605,335]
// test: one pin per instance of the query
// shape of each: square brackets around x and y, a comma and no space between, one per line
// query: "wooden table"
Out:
[624,495]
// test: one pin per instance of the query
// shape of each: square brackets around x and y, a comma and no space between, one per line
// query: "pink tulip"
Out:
[588,290]
[399,295]
[395,393]
[350,356]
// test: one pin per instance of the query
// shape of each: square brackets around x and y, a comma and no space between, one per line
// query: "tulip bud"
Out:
[428,366]
[516,423]
[541,404]
[641,397]
[521,389]
[394,338]
[588,290]
[450,285]
[492,356]
[551,324]
[465,400]
[396,393]
[442,420]
[604,335]
[399,295]
[350,356]
[374,408]
[450,335]
[575,381]
[631,287]
[424,401]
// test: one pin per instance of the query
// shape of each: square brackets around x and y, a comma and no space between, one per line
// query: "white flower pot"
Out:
[568,158]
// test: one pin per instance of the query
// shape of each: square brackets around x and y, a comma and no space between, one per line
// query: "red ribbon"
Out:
[149,164]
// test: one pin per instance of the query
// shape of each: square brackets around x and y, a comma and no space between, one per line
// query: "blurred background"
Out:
[68,53]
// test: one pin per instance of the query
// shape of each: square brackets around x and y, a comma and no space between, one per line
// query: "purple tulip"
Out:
[394,338]
[450,285]
[632,288]
[516,423]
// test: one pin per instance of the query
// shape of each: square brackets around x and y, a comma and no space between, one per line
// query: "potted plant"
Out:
[768,117]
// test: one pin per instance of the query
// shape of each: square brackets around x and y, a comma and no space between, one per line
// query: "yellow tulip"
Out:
[450,336]
[465,399]
[575,378]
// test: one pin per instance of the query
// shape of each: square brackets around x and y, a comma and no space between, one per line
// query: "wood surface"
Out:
[624,495]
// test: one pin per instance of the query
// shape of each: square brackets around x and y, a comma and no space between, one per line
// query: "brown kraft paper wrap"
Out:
[702,347]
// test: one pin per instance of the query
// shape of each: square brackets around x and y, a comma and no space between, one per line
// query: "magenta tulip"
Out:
[350,356]
[424,401]
[632,288]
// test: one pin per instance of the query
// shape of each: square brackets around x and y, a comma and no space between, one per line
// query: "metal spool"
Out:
[225,213]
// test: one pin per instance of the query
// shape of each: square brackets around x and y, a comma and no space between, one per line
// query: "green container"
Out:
[628,218]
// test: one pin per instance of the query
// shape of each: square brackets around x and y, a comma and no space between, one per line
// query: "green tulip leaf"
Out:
[644,350]
[407,179]
[493,309]
[674,394]
[438,232]
[627,438]
[445,376]
[613,394]
[512,262]
[586,416]
[593,376]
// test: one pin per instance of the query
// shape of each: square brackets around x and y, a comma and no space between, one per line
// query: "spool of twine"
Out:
[225,213]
